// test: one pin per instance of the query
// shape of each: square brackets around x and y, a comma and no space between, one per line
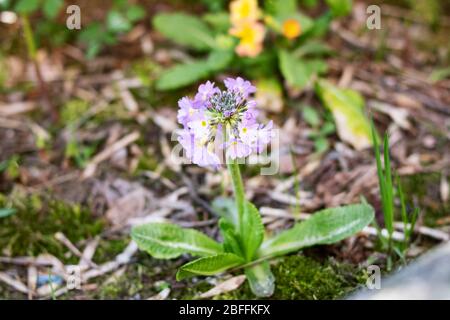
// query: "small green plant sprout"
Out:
[387,195]
[321,129]
[224,121]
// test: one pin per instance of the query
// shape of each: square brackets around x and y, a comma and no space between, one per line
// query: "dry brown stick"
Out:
[121,259]
[63,239]
[108,152]
[43,260]
[225,286]
[88,253]
[426,231]
[69,245]
[15,108]
[32,281]
[196,224]
[8,123]
[16,284]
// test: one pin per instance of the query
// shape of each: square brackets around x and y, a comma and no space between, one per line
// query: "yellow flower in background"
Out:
[244,16]
[251,35]
[244,11]
[291,28]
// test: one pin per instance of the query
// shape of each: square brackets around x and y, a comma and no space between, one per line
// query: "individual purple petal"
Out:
[248,133]
[264,136]
[244,87]
[204,156]
[238,149]
[230,83]
[186,139]
[186,112]
[205,91]
[196,151]
[200,127]
[251,104]
[249,116]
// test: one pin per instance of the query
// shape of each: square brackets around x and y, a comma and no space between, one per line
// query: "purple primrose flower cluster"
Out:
[221,124]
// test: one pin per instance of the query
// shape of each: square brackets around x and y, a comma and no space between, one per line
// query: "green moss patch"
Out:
[300,277]
[107,250]
[303,278]
[30,231]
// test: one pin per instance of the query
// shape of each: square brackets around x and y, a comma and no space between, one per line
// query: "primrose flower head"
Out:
[221,121]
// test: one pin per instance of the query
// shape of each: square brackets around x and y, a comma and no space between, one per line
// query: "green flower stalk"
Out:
[238,188]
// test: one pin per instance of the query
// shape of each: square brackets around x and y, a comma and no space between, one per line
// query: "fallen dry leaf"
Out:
[225,286]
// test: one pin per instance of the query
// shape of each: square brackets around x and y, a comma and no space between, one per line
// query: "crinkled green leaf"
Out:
[182,75]
[252,234]
[241,242]
[208,266]
[261,279]
[185,29]
[230,237]
[324,227]
[347,107]
[167,241]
